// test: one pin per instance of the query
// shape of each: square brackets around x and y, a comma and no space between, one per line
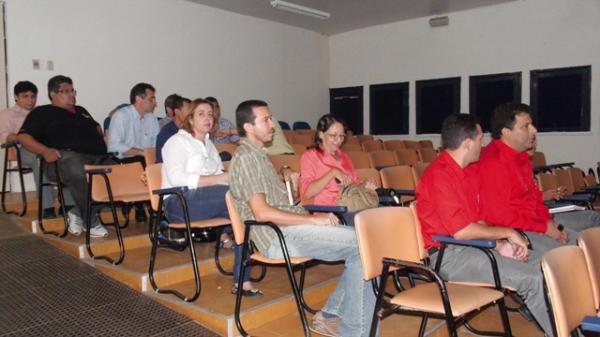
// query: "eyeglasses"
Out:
[68,91]
[332,136]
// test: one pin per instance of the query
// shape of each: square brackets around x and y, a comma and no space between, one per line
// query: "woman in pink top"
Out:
[324,167]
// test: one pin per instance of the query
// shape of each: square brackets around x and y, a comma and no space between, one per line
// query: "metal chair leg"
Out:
[41,186]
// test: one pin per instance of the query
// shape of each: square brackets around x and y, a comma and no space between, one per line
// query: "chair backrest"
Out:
[299,149]
[398,177]
[280,160]
[426,144]
[589,242]
[394,144]
[372,145]
[569,289]
[417,170]
[386,232]
[289,134]
[590,178]
[284,125]
[229,148]
[359,159]
[369,173]
[351,139]
[351,147]
[577,176]
[407,156]
[236,222]
[547,181]
[427,155]
[412,144]
[150,155]
[538,159]
[383,158]
[302,138]
[125,179]
[565,179]
[154,180]
[301,125]
[365,138]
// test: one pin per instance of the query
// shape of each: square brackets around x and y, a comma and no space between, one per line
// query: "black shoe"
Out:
[48,213]
[171,238]
[140,214]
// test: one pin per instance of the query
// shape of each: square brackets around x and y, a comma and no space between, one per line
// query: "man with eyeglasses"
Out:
[66,133]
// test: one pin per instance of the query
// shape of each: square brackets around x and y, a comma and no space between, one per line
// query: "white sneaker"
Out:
[98,230]
[75,223]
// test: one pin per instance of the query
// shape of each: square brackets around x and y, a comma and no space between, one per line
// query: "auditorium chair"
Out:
[12,163]
[118,185]
[389,238]
[157,196]
[570,296]
[251,256]
[359,159]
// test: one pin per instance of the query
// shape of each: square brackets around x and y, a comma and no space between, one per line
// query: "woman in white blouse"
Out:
[190,159]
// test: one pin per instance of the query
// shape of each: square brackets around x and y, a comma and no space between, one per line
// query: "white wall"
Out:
[107,46]
[517,36]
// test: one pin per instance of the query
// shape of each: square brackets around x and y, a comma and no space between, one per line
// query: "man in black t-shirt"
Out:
[67,133]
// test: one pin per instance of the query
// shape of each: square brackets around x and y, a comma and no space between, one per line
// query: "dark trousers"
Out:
[70,168]
[205,203]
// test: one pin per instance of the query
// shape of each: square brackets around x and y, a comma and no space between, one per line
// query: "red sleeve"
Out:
[499,206]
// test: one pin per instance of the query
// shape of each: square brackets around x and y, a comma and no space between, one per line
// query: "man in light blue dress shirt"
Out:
[134,127]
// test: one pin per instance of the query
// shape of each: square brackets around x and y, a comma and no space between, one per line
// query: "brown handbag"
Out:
[357,197]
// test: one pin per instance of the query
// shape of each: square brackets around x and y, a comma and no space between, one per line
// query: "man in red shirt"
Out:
[509,196]
[447,204]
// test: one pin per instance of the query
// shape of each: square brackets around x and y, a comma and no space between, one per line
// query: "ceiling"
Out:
[347,15]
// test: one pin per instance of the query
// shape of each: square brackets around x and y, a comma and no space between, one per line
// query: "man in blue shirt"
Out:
[134,127]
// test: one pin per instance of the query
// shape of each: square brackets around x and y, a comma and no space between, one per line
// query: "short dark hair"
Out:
[175,101]
[212,100]
[55,82]
[456,128]
[244,114]
[139,90]
[25,86]
[504,116]
[323,125]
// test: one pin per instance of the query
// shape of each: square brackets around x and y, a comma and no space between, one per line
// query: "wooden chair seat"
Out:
[463,298]
[294,260]
[214,222]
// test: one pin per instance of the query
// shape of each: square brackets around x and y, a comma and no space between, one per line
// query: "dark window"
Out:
[436,99]
[346,104]
[560,98]
[488,91]
[389,109]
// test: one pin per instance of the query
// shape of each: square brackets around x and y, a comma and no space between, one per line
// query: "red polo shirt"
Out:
[508,194]
[447,199]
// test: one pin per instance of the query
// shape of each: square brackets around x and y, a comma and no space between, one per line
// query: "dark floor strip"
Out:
[46,292]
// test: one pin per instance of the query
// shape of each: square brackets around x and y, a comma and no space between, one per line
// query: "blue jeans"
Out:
[353,299]
[205,203]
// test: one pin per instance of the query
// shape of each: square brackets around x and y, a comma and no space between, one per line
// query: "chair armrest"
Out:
[170,190]
[591,323]
[99,171]
[486,244]
[326,209]
[9,144]
[405,192]
[584,197]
